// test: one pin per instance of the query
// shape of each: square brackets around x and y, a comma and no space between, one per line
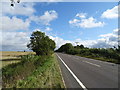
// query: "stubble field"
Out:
[9,57]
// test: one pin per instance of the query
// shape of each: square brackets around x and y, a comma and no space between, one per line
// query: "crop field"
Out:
[9,57]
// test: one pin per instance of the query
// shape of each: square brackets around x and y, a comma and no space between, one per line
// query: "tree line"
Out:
[108,54]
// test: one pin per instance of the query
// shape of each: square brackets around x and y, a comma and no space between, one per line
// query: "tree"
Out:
[79,46]
[66,48]
[118,49]
[41,44]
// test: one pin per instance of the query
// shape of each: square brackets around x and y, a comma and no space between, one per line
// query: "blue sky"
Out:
[67,11]
[93,24]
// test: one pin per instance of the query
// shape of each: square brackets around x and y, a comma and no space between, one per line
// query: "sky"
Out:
[93,24]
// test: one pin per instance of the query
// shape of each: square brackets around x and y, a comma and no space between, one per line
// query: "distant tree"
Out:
[118,49]
[79,46]
[41,44]
[66,48]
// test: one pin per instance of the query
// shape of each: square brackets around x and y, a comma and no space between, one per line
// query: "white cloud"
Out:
[14,40]
[90,23]
[13,24]
[116,31]
[86,43]
[26,9]
[48,29]
[46,18]
[74,21]
[11,38]
[107,40]
[59,41]
[111,13]
[86,23]
[81,15]
[108,35]
[19,40]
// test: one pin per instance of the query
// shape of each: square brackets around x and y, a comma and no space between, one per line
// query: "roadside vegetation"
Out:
[109,54]
[39,70]
[33,72]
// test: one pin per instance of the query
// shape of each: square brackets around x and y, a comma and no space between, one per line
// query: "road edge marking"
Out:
[79,82]
[61,74]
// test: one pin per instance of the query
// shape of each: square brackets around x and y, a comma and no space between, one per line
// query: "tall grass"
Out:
[33,72]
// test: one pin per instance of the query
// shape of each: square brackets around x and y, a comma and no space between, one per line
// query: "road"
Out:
[84,73]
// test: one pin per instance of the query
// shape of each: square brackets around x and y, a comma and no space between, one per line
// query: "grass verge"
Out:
[33,72]
[101,58]
[45,76]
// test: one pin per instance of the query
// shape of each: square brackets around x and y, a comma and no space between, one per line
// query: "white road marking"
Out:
[106,62]
[62,76]
[92,63]
[79,82]
[99,61]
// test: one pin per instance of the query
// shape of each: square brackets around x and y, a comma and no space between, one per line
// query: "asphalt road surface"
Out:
[85,73]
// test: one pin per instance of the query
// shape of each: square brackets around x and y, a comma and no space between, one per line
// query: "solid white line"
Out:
[92,63]
[62,75]
[79,82]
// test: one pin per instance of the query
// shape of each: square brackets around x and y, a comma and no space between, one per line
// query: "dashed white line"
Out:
[79,82]
[92,63]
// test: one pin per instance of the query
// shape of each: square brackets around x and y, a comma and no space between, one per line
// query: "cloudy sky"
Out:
[88,23]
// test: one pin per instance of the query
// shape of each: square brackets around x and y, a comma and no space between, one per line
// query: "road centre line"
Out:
[92,63]
[79,82]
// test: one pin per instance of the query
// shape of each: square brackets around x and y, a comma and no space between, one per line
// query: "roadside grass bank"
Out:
[33,72]
[101,58]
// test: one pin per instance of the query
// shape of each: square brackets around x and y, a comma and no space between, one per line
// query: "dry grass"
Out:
[13,54]
[9,57]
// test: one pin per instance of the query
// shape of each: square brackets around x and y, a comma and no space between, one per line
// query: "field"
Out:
[9,57]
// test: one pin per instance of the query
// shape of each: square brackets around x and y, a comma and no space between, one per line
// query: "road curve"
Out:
[88,73]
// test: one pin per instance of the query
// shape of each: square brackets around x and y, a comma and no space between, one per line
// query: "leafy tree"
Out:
[79,46]
[118,49]
[66,48]
[41,44]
